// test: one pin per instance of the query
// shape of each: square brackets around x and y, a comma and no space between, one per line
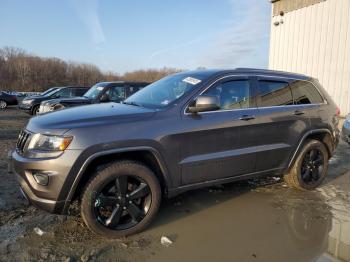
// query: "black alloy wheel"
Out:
[121,199]
[312,166]
[123,202]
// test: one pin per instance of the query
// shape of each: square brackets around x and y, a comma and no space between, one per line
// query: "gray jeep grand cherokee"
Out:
[185,131]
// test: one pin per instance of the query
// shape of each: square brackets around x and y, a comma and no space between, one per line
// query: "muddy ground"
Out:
[255,220]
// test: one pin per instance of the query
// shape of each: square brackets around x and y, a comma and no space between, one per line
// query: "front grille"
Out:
[22,141]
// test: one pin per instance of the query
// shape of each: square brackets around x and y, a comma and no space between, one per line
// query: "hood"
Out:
[61,121]
[72,100]
[33,97]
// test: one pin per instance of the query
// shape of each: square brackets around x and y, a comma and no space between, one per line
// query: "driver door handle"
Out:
[298,112]
[247,117]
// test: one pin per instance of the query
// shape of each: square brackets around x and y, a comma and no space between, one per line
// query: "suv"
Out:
[99,93]
[31,104]
[185,131]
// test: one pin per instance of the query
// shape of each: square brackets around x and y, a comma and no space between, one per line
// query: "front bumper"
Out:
[25,107]
[346,132]
[50,198]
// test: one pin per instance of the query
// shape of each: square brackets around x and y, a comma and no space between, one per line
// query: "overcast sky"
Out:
[132,34]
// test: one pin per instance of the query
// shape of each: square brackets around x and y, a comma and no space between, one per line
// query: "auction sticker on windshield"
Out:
[191,80]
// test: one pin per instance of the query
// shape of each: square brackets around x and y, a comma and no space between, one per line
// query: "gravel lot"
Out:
[255,220]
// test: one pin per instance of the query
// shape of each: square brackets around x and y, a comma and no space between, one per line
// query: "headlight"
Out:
[27,101]
[49,143]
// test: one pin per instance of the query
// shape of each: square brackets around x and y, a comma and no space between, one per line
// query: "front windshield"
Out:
[165,91]
[53,91]
[48,91]
[94,91]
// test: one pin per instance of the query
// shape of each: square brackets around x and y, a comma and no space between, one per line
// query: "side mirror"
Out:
[104,98]
[205,103]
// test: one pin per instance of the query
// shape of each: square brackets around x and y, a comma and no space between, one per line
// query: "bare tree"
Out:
[21,71]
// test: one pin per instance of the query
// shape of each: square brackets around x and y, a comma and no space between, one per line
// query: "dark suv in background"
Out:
[185,131]
[100,93]
[31,104]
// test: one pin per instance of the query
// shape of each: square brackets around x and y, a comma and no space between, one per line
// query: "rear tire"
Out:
[310,168]
[110,206]
[3,104]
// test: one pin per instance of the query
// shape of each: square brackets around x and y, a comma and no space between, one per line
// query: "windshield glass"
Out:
[94,91]
[48,91]
[166,90]
[53,91]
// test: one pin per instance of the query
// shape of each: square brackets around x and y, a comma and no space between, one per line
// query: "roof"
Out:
[253,71]
[122,82]
[272,73]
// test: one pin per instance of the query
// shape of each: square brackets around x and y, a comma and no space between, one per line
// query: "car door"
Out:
[279,123]
[219,144]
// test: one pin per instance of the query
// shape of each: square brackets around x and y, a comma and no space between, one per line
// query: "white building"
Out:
[313,37]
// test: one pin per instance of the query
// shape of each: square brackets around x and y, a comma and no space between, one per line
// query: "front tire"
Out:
[121,199]
[310,167]
[35,110]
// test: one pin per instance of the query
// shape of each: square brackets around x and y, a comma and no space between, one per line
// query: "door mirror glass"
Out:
[205,103]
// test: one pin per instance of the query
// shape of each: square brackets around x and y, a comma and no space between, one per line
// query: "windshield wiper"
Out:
[132,103]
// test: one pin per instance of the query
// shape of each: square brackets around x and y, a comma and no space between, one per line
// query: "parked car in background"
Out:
[7,100]
[99,93]
[346,130]
[185,131]
[31,104]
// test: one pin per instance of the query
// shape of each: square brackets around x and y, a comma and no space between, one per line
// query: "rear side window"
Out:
[305,93]
[274,93]
[232,94]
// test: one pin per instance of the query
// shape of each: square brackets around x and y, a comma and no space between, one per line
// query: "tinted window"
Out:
[116,93]
[273,93]
[66,92]
[79,91]
[231,94]
[305,93]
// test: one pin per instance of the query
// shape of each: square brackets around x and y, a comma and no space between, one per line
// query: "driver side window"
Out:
[66,92]
[116,93]
[232,94]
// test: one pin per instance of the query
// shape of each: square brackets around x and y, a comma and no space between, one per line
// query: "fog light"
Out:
[41,178]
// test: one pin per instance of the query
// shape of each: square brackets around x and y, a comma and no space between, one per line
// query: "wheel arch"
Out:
[145,155]
[322,135]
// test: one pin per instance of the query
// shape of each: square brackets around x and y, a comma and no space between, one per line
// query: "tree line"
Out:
[20,71]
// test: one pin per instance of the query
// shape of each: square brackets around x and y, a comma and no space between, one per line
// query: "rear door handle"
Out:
[298,112]
[247,117]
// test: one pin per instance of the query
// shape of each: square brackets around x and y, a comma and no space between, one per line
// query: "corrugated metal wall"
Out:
[315,40]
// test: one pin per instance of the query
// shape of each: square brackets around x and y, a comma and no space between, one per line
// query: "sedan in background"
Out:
[346,130]
[100,93]
[7,100]
[31,104]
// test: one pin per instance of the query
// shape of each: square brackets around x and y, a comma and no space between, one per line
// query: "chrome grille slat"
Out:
[22,141]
